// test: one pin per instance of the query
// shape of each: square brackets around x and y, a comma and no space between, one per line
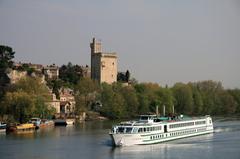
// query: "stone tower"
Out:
[103,64]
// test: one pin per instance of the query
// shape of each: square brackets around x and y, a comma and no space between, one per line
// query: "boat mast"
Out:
[163,110]
[157,113]
[173,109]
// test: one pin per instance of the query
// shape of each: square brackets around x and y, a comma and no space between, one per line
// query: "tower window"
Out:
[113,63]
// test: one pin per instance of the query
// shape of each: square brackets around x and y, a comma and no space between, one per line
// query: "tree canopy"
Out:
[6,56]
[27,98]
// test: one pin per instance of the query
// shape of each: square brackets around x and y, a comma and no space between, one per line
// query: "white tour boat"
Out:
[150,129]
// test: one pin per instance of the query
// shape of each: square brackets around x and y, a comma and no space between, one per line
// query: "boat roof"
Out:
[148,115]
[161,120]
[35,119]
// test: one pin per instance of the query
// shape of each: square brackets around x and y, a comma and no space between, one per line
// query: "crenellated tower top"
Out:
[96,46]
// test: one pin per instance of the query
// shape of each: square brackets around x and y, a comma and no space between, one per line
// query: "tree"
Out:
[55,85]
[70,73]
[127,75]
[121,77]
[131,100]
[228,103]
[235,93]
[210,91]
[6,56]
[85,93]
[147,96]
[143,104]
[19,104]
[32,86]
[183,98]
[27,98]
[166,99]
[198,102]
[113,104]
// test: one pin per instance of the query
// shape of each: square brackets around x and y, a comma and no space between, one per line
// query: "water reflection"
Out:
[172,149]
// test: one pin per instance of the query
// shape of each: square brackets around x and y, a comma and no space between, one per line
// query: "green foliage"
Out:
[131,101]
[183,98]
[123,77]
[70,73]
[236,95]
[19,104]
[56,85]
[26,99]
[26,67]
[113,104]
[143,104]
[85,94]
[197,101]
[127,75]
[6,56]
[32,86]
[166,98]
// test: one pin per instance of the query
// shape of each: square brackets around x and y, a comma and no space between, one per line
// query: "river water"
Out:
[90,140]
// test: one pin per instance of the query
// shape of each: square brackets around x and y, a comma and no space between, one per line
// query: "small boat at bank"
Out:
[150,129]
[46,123]
[64,122]
[36,122]
[22,128]
[41,123]
[3,127]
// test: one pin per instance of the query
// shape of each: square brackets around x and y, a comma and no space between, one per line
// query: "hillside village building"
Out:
[103,64]
[51,72]
[66,104]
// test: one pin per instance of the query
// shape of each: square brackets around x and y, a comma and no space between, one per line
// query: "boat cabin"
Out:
[147,118]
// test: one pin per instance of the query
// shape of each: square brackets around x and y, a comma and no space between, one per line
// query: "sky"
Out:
[162,41]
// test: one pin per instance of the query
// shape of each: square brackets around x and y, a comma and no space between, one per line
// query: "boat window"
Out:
[147,129]
[200,122]
[182,125]
[121,129]
[144,118]
[135,130]
[157,120]
[128,130]
[140,130]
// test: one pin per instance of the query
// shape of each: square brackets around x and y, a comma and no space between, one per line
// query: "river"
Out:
[90,140]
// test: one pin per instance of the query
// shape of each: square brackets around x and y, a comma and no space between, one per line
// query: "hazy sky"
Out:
[163,41]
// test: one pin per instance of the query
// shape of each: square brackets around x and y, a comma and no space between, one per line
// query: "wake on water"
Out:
[226,126]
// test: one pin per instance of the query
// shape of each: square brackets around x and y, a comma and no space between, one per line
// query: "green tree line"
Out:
[28,97]
[120,101]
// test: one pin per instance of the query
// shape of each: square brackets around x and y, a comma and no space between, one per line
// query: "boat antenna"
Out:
[157,110]
[173,109]
[163,110]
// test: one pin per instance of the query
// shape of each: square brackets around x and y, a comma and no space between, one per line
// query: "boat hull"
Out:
[64,122]
[150,138]
[46,124]
[3,127]
[2,130]
[22,129]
